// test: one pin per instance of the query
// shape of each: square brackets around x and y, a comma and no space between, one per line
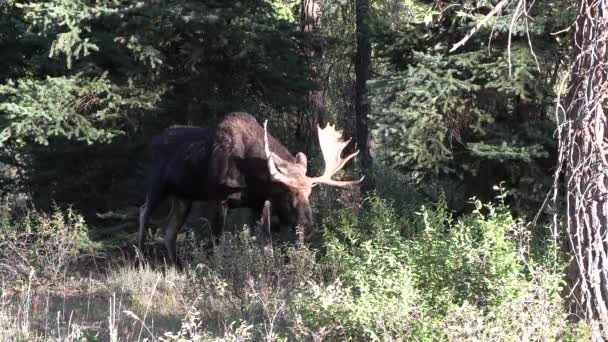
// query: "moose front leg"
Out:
[219,221]
[180,210]
[263,227]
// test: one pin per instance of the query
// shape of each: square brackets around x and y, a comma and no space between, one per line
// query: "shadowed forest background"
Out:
[457,232]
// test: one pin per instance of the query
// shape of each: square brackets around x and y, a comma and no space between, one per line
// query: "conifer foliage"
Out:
[89,76]
[480,112]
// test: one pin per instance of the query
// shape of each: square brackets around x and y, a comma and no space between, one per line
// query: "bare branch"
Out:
[482,22]
[516,16]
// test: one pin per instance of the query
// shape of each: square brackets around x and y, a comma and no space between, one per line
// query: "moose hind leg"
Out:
[143,220]
[180,211]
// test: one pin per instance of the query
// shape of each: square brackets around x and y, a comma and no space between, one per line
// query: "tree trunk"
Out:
[362,68]
[584,136]
[310,22]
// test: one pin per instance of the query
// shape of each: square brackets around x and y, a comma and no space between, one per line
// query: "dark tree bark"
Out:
[362,69]
[584,146]
[197,111]
[310,22]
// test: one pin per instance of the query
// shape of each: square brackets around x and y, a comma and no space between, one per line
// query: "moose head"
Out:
[294,206]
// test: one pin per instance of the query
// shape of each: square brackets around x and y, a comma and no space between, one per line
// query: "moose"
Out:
[236,164]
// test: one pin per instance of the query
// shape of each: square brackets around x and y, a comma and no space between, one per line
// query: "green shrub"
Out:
[474,259]
[43,243]
[402,276]
[537,313]
[370,292]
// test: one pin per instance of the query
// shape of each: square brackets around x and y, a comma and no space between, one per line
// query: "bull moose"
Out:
[237,164]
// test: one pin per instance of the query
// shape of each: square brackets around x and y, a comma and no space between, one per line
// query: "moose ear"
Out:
[302,159]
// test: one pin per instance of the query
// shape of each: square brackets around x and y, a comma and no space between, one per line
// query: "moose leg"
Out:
[264,227]
[152,202]
[203,212]
[215,212]
[164,221]
[180,211]
[144,213]
[219,220]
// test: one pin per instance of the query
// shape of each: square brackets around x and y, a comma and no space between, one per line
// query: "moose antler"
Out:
[275,174]
[332,145]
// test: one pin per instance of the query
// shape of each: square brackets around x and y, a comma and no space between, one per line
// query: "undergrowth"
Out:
[379,273]
[39,243]
[425,275]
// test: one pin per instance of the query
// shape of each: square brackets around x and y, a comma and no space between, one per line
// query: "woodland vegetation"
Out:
[482,134]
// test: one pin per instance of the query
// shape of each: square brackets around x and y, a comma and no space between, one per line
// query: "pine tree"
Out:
[482,112]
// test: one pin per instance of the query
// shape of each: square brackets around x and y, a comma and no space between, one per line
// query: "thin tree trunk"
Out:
[310,22]
[585,143]
[551,85]
[362,69]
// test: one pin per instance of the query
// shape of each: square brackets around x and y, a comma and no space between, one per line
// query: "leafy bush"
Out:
[536,313]
[371,293]
[475,259]
[43,243]
[401,276]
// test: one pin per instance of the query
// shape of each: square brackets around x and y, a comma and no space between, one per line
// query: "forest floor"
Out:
[100,299]
[113,293]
